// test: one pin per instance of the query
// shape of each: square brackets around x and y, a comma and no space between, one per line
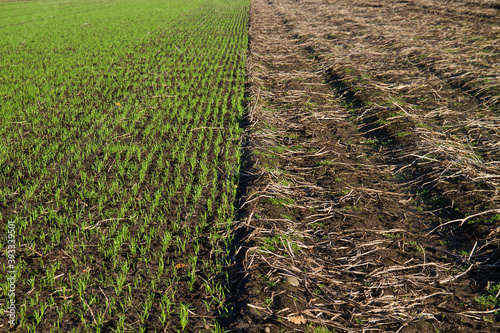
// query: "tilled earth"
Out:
[371,169]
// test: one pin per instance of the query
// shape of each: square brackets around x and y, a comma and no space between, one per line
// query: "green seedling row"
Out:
[119,159]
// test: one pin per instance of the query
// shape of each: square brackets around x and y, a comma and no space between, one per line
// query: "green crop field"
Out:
[249,166]
[118,161]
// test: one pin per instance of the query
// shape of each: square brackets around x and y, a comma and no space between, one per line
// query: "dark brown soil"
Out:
[340,228]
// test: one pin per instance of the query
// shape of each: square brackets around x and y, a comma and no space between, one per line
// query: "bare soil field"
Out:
[371,170]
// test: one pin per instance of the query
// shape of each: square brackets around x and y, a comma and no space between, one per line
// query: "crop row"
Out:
[119,161]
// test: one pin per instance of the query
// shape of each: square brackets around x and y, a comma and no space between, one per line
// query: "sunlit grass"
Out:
[118,157]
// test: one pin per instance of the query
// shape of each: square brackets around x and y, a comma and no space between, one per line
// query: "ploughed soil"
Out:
[370,172]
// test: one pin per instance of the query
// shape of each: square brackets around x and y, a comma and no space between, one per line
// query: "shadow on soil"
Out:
[234,274]
[457,241]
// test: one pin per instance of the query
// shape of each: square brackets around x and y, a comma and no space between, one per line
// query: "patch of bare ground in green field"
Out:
[373,131]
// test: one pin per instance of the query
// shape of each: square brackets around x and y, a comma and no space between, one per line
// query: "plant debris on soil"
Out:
[367,195]
[371,168]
